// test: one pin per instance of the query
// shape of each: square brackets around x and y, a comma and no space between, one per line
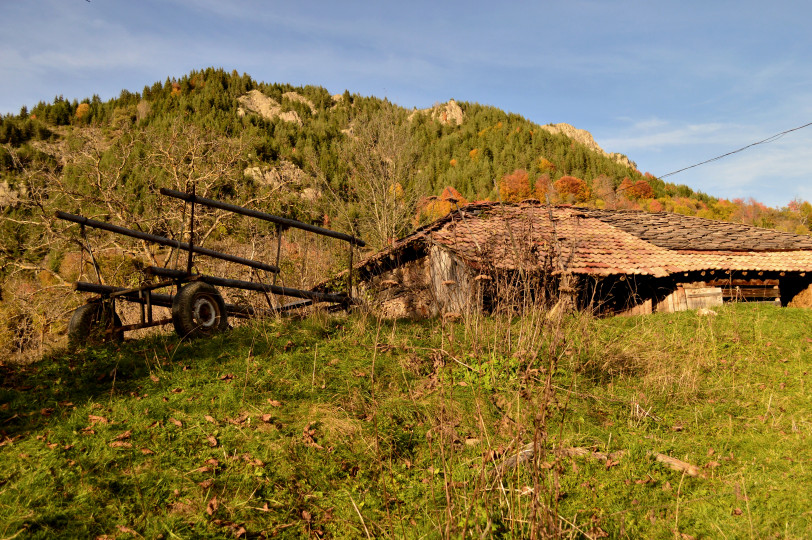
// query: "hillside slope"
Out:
[353,427]
[357,164]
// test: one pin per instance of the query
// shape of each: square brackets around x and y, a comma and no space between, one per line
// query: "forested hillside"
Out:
[356,164]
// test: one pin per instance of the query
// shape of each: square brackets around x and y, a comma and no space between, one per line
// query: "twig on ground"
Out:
[357,511]
[526,454]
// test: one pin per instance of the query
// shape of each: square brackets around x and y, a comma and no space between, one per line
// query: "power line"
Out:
[767,140]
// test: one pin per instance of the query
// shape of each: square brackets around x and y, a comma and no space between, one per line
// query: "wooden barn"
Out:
[483,256]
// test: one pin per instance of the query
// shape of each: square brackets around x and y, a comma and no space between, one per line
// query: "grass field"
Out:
[352,427]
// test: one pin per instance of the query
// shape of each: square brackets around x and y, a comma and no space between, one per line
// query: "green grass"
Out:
[354,427]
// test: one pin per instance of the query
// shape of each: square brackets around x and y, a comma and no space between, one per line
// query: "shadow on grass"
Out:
[32,395]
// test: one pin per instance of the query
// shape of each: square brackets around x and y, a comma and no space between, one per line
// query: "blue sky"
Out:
[669,84]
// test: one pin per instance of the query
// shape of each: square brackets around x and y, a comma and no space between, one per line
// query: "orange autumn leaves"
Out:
[517,186]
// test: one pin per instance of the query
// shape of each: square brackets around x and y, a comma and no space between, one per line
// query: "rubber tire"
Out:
[198,310]
[88,323]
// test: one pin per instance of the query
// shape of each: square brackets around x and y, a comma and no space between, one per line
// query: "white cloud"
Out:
[658,134]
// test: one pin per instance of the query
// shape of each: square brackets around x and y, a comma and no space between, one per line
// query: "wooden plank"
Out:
[644,308]
[703,297]
[751,292]
[743,283]
[673,302]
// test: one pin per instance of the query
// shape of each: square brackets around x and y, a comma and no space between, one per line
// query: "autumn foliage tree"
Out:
[515,187]
[570,189]
[82,111]
[636,190]
[655,206]
[544,189]
[545,165]
[603,188]
[433,208]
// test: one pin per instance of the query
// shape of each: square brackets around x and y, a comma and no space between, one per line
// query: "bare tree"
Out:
[379,199]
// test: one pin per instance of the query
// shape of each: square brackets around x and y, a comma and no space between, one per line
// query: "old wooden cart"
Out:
[197,307]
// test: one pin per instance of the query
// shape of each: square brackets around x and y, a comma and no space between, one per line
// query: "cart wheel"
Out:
[198,310]
[89,323]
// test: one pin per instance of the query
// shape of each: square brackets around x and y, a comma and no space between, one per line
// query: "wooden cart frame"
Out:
[197,307]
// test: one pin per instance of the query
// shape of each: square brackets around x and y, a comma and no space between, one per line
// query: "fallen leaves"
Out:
[252,460]
[120,441]
[309,437]
[10,440]
[236,529]
[243,418]
[643,481]
[212,506]
[94,419]
[121,444]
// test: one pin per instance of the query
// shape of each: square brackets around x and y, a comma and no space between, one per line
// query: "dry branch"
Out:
[527,453]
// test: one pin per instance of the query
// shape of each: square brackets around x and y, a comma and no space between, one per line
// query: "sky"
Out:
[668,83]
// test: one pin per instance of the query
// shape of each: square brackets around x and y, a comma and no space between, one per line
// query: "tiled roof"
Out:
[675,231]
[601,242]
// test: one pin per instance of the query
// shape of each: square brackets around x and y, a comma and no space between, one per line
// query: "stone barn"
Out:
[487,255]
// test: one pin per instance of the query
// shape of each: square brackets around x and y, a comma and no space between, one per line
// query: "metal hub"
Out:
[205,312]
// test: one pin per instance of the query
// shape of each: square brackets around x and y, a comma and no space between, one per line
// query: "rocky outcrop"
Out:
[10,196]
[293,96]
[285,176]
[286,173]
[258,103]
[445,113]
[584,137]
